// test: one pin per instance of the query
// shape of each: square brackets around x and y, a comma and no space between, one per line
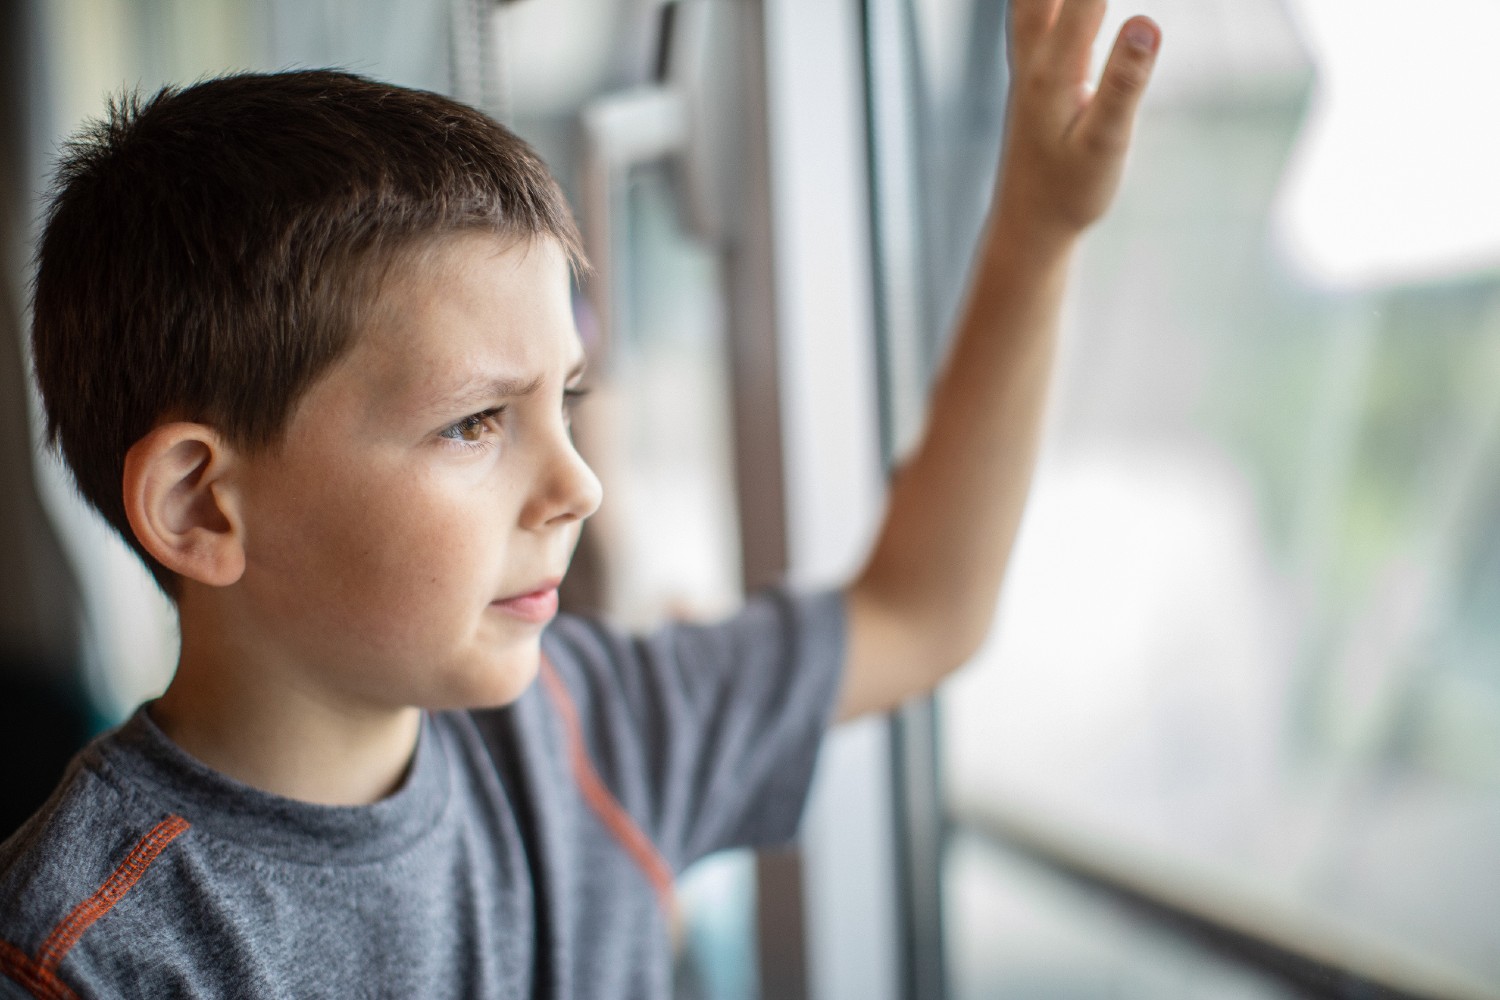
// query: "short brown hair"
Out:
[207,251]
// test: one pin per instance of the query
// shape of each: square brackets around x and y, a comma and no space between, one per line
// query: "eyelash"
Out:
[490,418]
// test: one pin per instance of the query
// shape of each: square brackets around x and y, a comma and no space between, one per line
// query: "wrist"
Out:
[1017,242]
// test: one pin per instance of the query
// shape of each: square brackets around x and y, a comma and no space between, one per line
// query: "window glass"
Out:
[662,437]
[1021,929]
[1250,628]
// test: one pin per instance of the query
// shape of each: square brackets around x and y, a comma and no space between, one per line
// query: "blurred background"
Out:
[1237,730]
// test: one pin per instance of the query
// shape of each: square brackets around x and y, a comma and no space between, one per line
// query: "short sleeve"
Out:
[708,734]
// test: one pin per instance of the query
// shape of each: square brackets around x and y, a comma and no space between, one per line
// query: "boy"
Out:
[305,341]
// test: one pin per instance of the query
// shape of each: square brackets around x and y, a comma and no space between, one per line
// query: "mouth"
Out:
[535,606]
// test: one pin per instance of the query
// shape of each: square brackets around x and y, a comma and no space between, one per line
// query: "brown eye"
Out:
[471,428]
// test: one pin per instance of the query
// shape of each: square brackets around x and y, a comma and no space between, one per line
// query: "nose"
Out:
[567,490]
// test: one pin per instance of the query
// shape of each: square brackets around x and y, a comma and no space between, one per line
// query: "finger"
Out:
[1072,42]
[1029,21]
[1107,121]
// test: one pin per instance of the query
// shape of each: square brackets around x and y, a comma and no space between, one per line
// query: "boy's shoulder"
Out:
[148,874]
[73,843]
[72,862]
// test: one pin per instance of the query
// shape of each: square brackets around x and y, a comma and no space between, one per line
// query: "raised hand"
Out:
[1066,140]
[924,601]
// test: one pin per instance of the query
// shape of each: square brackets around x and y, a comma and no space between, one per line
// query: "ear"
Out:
[182,505]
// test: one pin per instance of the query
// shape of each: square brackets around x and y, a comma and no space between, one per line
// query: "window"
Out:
[1244,661]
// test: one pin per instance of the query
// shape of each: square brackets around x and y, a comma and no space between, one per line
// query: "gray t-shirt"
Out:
[503,867]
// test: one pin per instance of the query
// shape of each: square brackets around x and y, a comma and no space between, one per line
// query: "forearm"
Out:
[925,598]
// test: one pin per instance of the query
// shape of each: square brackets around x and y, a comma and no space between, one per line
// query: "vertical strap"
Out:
[616,820]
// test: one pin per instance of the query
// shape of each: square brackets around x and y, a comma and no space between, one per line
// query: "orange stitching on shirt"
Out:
[43,983]
[613,815]
[67,933]
[40,974]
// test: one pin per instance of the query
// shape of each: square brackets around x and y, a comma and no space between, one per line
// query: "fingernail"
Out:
[1141,35]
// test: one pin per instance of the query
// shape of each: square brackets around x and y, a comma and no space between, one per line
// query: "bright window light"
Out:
[1396,178]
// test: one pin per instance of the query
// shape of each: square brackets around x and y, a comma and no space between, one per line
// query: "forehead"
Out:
[464,307]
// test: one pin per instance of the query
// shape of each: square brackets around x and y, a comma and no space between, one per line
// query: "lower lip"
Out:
[537,607]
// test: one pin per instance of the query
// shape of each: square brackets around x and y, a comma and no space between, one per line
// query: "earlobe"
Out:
[181,502]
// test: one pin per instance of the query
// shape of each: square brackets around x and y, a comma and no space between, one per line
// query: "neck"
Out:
[259,722]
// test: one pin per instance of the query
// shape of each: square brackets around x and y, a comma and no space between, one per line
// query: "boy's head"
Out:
[212,252]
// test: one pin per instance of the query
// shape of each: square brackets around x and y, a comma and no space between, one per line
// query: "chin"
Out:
[497,684]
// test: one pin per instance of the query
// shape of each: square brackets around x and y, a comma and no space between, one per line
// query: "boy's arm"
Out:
[924,601]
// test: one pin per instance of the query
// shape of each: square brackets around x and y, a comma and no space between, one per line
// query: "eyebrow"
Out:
[486,389]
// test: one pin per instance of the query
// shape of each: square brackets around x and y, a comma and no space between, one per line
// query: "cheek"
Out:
[421,562]
[380,559]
